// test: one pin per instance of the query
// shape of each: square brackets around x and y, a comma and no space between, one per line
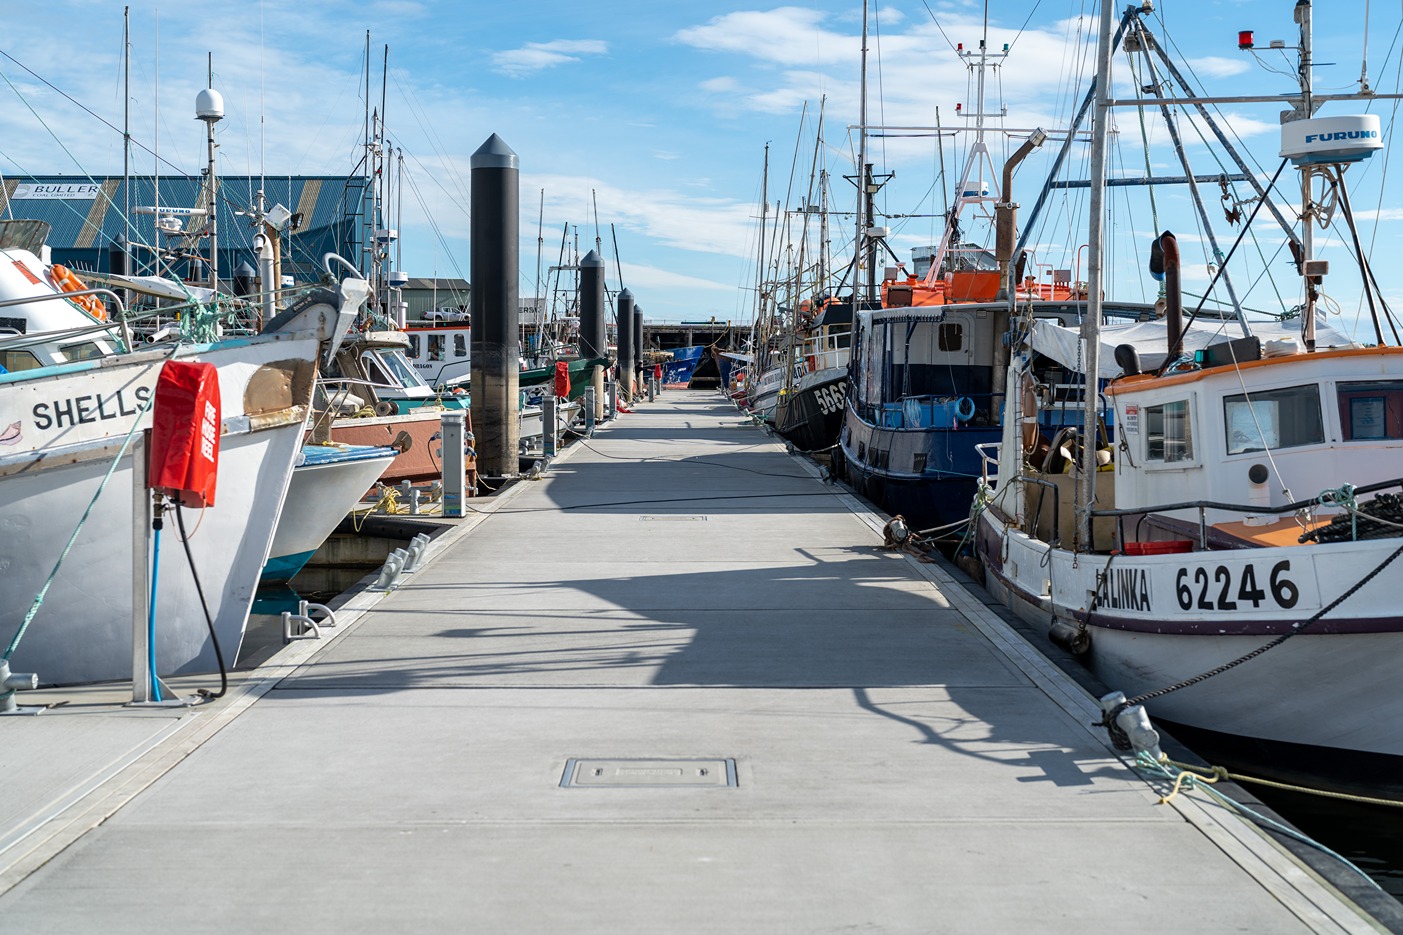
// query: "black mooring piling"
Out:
[493,268]
[638,356]
[594,339]
[627,354]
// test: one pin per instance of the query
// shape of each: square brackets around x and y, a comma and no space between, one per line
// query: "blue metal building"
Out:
[330,215]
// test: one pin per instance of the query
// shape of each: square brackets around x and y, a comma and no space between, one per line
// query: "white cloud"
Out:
[675,219]
[1213,66]
[721,85]
[784,36]
[1385,214]
[537,56]
[651,277]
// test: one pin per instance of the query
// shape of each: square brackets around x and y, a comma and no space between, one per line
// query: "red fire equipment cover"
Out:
[185,432]
[562,378]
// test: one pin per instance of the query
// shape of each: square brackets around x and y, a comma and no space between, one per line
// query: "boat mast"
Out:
[1309,209]
[1091,324]
[211,116]
[760,269]
[126,139]
[863,173]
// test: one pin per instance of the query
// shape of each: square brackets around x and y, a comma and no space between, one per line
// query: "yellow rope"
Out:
[1217,772]
[389,499]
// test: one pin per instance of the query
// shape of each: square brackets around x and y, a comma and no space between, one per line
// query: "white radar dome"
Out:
[209,105]
[1331,139]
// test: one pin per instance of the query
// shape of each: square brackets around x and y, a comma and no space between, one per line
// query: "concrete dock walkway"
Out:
[676,589]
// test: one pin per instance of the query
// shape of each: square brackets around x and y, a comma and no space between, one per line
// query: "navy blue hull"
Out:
[928,475]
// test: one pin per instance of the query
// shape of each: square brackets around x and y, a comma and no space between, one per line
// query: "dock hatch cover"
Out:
[581,773]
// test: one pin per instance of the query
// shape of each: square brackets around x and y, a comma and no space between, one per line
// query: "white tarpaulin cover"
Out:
[1151,340]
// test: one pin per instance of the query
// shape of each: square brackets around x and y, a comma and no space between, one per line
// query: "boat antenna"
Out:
[540,246]
[598,241]
[618,263]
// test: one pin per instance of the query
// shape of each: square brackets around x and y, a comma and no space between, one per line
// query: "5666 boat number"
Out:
[831,397]
[1237,586]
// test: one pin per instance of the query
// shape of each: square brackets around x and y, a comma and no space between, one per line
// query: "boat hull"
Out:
[82,631]
[677,372]
[927,475]
[1322,699]
[323,489]
[812,415]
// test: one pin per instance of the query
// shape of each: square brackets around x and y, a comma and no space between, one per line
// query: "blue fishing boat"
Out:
[678,371]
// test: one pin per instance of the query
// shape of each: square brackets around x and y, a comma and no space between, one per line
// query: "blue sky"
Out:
[660,113]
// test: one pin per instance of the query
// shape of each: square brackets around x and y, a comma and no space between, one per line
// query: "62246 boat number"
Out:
[1236,586]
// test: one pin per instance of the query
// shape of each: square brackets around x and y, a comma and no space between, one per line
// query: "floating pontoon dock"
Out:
[675,686]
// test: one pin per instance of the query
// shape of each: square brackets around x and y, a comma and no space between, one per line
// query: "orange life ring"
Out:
[65,279]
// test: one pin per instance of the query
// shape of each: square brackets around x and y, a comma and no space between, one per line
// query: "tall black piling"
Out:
[627,354]
[594,339]
[493,268]
[638,356]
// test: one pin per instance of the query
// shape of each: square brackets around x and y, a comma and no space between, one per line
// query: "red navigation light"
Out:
[1244,39]
[959,47]
[958,107]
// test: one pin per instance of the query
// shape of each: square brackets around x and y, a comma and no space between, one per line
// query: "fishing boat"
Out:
[927,365]
[537,382]
[440,351]
[1224,552]
[72,476]
[678,371]
[809,412]
[327,482]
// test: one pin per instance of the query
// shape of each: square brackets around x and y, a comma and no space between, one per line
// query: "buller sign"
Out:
[56,191]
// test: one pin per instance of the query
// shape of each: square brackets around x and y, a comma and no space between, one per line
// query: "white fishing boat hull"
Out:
[70,424]
[1334,687]
[319,495]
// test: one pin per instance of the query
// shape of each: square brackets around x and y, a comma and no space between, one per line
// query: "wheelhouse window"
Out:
[1168,436]
[86,350]
[15,361]
[413,350]
[1371,411]
[460,345]
[951,336]
[390,368]
[1270,419]
[436,346]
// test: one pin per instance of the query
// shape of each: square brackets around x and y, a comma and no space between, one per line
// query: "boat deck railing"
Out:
[989,461]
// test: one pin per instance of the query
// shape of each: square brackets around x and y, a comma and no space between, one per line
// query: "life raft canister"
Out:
[64,278]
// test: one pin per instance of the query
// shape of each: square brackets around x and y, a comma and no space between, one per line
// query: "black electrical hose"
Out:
[209,621]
